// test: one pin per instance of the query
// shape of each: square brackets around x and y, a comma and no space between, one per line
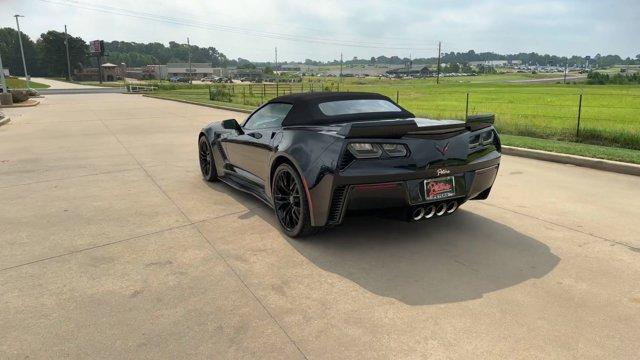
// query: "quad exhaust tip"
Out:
[441,209]
[429,212]
[452,206]
[417,214]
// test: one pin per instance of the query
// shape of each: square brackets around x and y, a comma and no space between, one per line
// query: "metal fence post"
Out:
[397,96]
[579,114]
[210,93]
[466,110]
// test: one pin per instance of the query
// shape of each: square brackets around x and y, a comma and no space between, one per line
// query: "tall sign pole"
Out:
[438,76]
[66,44]
[24,63]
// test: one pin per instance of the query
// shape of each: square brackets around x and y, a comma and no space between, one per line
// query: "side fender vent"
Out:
[221,150]
[346,160]
[337,204]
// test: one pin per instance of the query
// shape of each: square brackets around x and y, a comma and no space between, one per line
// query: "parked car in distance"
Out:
[179,79]
[210,79]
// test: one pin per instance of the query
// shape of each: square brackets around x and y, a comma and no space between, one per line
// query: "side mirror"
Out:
[232,124]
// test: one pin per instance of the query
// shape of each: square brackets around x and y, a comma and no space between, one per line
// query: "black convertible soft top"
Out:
[305,110]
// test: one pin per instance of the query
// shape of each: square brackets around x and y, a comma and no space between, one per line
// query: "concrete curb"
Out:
[28,103]
[592,163]
[229,108]
[5,121]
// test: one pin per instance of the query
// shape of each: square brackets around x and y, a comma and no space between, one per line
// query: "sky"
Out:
[322,29]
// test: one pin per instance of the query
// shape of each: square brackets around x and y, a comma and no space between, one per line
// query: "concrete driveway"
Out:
[57,84]
[113,247]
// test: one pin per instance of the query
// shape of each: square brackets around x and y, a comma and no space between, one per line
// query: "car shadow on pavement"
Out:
[443,260]
[452,259]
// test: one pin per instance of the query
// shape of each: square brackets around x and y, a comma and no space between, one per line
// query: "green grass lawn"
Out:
[588,150]
[15,83]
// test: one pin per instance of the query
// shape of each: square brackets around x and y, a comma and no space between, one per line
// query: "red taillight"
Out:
[374,187]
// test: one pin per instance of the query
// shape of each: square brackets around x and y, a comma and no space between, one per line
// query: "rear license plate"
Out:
[439,188]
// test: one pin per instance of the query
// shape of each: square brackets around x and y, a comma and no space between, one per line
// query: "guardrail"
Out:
[131,88]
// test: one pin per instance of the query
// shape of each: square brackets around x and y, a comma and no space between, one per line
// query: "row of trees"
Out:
[465,57]
[139,54]
[598,78]
[47,55]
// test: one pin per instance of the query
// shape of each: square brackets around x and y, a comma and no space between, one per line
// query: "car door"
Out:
[249,152]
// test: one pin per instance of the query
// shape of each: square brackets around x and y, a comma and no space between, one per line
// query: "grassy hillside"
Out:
[15,83]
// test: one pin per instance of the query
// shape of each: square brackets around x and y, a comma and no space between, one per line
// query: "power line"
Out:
[229,29]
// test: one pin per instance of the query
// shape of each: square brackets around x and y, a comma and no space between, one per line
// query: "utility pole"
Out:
[438,69]
[189,51]
[66,44]
[275,71]
[3,84]
[24,63]
[340,67]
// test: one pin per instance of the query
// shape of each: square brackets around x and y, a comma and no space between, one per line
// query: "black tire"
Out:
[207,164]
[290,203]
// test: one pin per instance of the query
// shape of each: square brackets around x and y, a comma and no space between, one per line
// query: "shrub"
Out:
[19,96]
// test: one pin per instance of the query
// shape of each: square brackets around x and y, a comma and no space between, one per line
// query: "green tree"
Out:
[52,54]
[10,51]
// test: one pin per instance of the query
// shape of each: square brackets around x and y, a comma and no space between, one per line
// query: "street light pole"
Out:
[24,63]
[189,48]
[66,44]
[3,84]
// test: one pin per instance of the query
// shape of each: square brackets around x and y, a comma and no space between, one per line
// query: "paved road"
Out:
[113,247]
[56,84]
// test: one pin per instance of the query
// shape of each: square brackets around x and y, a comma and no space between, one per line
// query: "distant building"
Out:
[247,74]
[196,71]
[497,63]
[6,72]
[110,72]
[411,70]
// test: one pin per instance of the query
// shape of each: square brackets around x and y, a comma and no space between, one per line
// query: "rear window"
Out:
[362,106]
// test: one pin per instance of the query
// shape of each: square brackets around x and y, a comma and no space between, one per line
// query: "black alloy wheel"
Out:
[205,155]
[290,202]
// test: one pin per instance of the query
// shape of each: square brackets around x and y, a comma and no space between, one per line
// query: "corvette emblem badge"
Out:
[441,172]
[442,150]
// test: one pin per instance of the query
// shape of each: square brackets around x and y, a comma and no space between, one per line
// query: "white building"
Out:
[496,63]
[197,70]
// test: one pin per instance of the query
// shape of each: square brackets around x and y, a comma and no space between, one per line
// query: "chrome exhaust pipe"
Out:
[429,212]
[417,214]
[441,209]
[453,206]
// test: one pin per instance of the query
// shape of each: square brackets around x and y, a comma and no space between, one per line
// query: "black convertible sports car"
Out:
[314,157]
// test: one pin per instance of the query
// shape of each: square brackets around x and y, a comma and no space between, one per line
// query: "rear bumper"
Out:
[335,195]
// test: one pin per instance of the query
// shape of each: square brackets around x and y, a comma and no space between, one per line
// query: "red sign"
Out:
[96,47]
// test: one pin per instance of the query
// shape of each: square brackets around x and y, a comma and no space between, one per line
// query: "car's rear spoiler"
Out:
[393,129]
[479,121]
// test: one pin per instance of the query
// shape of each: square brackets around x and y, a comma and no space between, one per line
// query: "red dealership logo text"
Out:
[435,188]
